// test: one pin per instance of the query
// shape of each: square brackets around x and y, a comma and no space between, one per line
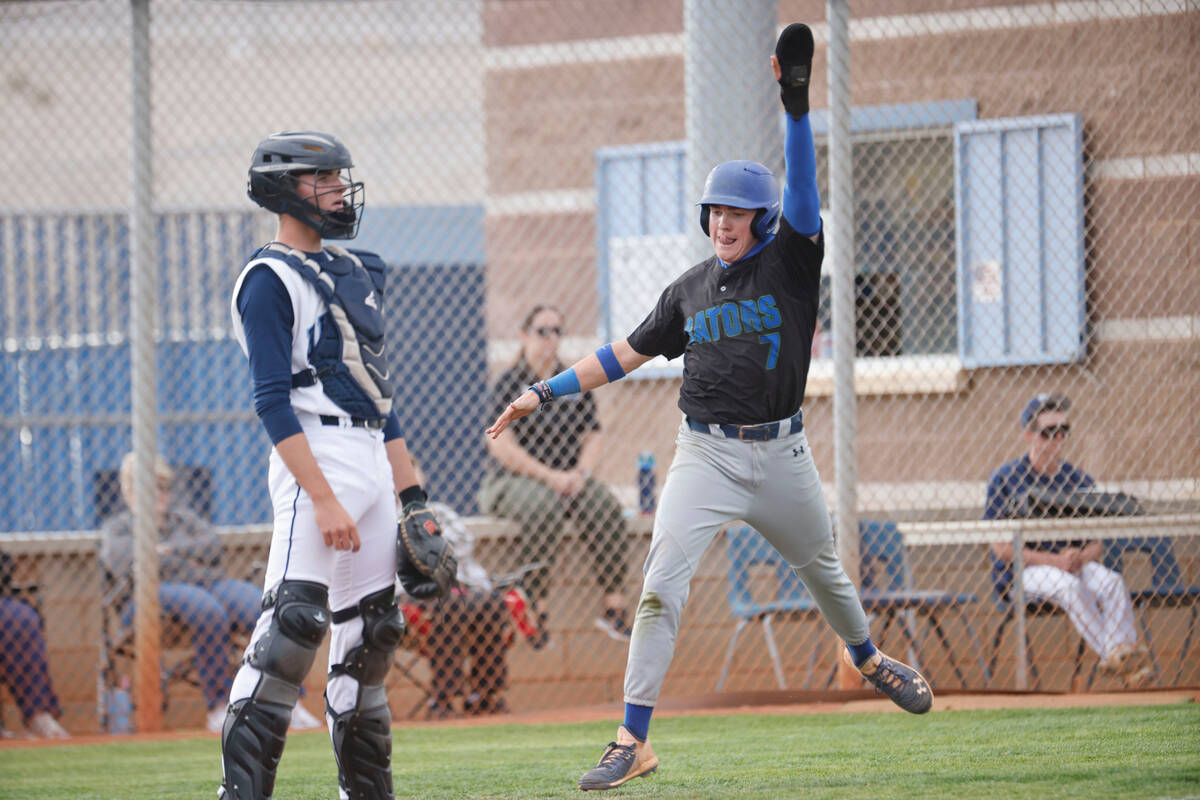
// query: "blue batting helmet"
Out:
[281,156]
[743,184]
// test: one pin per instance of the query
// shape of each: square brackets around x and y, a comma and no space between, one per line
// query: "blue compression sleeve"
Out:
[392,429]
[612,367]
[564,383]
[801,201]
[266,310]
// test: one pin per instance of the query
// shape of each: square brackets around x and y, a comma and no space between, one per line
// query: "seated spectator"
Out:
[1066,573]
[194,586]
[23,665]
[471,624]
[541,474]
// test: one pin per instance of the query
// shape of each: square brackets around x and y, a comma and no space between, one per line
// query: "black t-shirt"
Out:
[745,331]
[554,433]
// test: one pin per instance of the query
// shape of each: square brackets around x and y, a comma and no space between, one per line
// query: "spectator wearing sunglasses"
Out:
[540,474]
[1066,573]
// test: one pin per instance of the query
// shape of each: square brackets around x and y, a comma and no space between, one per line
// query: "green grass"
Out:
[1151,751]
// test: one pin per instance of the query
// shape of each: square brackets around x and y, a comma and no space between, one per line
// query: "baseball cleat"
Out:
[1138,679]
[902,684]
[214,720]
[1124,659]
[613,624]
[623,759]
[304,720]
[44,726]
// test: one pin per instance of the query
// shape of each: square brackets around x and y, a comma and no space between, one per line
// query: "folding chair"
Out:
[747,550]
[1002,580]
[888,589]
[523,621]
[1167,588]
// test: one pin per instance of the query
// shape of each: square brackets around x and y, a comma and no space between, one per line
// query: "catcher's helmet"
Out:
[281,156]
[743,184]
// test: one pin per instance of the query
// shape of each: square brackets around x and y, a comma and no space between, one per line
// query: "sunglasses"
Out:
[547,332]
[1055,431]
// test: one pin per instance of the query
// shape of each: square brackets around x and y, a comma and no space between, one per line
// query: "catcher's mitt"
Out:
[424,560]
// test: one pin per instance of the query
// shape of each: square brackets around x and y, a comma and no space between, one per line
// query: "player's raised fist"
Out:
[793,61]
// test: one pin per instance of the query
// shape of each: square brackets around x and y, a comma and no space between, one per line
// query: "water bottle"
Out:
[120,709]
[645,482]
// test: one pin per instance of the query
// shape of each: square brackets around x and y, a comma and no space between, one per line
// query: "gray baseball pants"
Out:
[773,486]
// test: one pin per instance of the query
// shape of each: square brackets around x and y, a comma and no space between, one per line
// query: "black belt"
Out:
[751,433]
[374,424]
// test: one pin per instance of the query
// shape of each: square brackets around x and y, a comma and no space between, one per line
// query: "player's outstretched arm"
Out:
[792,67]
[609,363]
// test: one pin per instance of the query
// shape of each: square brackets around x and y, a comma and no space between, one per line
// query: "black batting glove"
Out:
[794,52]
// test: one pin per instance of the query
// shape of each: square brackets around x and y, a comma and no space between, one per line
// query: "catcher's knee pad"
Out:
[253,736]
[362,745]
[383,625]
[289,647]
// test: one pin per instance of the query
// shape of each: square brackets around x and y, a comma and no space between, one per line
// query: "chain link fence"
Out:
[1023,194]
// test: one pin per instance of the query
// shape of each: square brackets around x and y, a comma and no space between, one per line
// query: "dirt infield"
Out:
[726,703]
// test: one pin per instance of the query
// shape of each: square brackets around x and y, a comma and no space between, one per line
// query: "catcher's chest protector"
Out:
[348,354]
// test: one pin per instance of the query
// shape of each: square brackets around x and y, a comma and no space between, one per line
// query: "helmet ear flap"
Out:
[760,226]
[264,189]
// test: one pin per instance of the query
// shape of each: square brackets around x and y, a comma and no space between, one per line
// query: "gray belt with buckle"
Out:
[751,433]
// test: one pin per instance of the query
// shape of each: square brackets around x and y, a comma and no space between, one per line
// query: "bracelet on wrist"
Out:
[543,391]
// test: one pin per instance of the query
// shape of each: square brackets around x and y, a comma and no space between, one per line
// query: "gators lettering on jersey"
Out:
[745,331]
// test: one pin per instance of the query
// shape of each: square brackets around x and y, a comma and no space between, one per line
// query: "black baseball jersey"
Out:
[554,435]
[745,331]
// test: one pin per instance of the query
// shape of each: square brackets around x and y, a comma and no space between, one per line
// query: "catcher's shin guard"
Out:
[255,727]
[251,745]
[362,745]
[362,735]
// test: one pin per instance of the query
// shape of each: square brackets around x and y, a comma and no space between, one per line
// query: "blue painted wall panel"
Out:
[1019,193]
[104,379]
[981,231]
[663,184]
[1026,307]
[73,400]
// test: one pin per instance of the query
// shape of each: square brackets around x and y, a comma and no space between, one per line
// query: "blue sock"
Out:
[861,652]
[637,720]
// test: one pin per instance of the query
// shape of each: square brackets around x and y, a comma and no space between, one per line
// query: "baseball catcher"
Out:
[424,560]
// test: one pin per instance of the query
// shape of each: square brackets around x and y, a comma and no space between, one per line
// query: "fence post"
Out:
[147,688]
[841,255]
